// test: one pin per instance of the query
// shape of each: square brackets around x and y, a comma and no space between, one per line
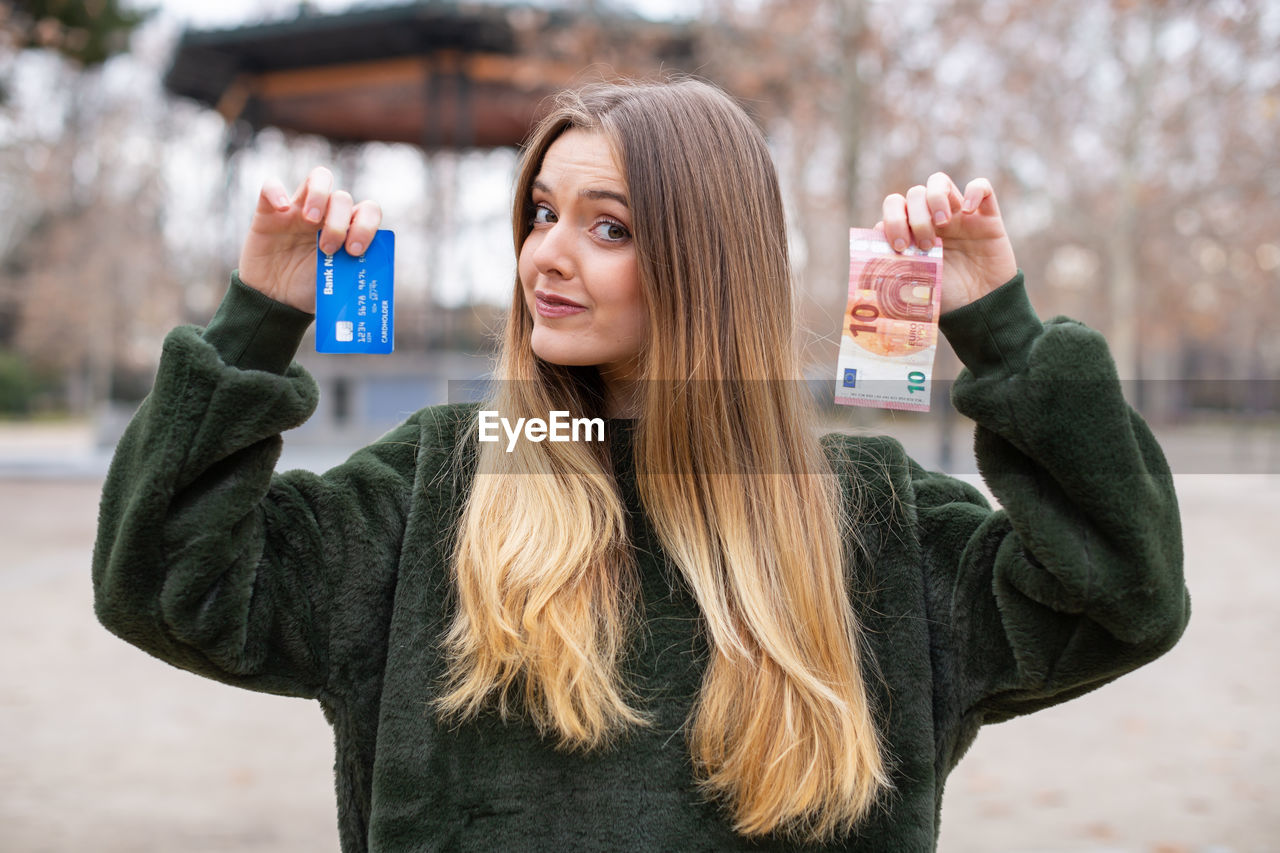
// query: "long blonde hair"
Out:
[782,731]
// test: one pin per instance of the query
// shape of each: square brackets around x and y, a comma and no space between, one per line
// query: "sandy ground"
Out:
[106,749]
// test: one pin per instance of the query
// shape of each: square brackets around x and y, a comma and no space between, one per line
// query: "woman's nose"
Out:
[553,254]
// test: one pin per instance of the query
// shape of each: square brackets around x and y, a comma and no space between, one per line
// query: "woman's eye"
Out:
[542,215]
[612,231]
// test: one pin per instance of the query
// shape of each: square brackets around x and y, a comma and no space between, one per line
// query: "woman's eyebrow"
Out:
[599,194]
[594,194]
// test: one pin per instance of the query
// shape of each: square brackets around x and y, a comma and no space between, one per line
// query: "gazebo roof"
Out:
[434,74]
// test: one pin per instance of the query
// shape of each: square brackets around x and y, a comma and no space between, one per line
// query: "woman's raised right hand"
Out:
[279,254]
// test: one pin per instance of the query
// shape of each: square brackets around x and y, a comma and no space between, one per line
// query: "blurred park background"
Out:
[1132,144]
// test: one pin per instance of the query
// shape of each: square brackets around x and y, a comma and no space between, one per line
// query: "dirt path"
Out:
[106,749]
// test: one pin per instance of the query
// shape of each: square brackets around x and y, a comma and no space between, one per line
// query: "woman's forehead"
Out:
[580,159]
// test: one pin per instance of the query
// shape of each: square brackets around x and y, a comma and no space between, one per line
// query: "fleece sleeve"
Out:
[208,559]
[1078,577]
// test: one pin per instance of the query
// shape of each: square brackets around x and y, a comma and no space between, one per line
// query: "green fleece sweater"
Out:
[335,587]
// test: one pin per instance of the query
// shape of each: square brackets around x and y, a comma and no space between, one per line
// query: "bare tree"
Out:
[1129,141]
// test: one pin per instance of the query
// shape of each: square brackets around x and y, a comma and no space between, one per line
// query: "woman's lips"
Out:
[551,305]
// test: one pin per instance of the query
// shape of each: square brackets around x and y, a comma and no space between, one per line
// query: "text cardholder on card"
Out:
[355,298]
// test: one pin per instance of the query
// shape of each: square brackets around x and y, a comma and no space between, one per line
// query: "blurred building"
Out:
[437,75]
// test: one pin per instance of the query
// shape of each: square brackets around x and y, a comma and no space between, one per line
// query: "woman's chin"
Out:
[563,357]
[563,353]
[576,350]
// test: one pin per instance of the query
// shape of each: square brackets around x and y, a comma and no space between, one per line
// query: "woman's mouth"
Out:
[551,305]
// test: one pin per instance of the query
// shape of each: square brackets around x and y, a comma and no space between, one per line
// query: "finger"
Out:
[365,220]
[943,197]
[336,222]
[273,197]
[919,218]
[894,217]
[313,194]
[979,195]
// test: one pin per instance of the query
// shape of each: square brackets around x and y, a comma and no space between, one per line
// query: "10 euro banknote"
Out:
[890,332]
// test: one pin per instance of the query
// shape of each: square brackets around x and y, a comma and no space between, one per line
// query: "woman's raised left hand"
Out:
[978,255]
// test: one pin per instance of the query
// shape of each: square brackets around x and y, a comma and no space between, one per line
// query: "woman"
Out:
[711,631]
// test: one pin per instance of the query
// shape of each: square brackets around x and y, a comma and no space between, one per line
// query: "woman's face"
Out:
[578,265]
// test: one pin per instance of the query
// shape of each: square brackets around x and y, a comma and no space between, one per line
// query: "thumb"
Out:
[273,198]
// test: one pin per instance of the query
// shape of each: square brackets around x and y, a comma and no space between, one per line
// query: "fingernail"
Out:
[899,244]
[357,248]
[314,214]
[939,217]
[924,245]
[283,203]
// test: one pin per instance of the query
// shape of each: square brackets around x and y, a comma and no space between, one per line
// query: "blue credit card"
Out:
[355,298]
